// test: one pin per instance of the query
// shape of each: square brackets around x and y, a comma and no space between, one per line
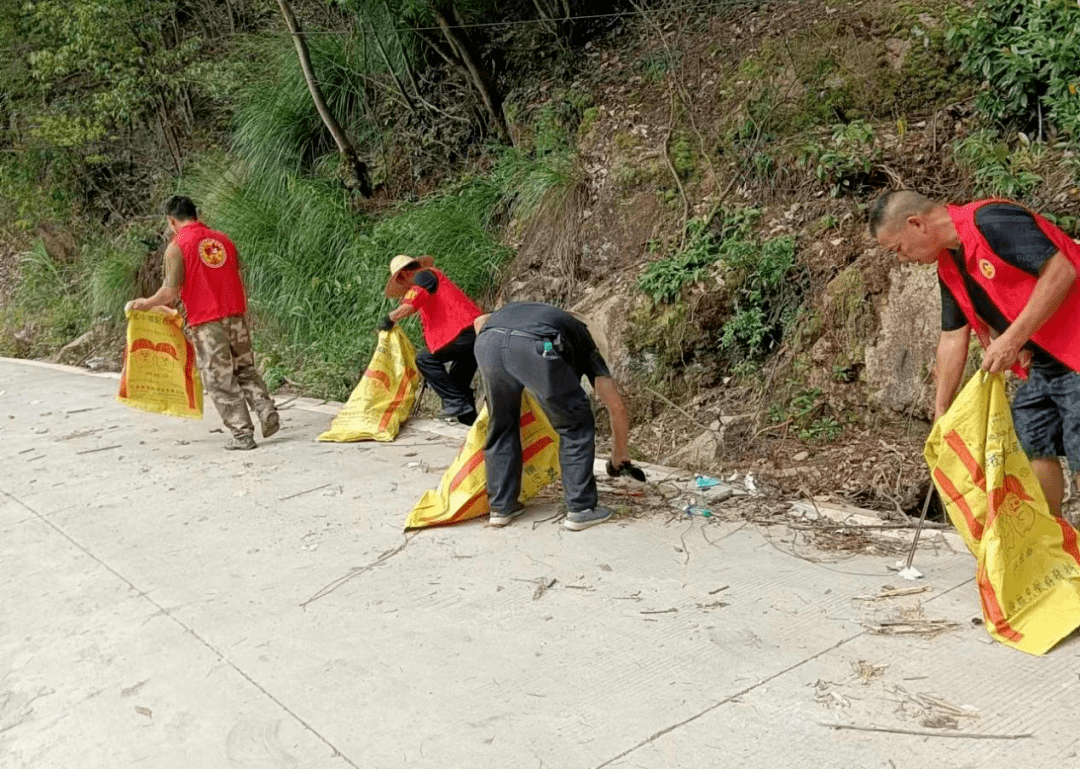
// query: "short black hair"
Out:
[893,208]
[877,213]
[181,207]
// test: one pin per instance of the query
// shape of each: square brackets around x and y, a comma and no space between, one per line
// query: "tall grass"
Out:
[58,298]
[277,126]
[46,308]
[113,272]
[315,268]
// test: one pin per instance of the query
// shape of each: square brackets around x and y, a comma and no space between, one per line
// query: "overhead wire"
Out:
[700,5]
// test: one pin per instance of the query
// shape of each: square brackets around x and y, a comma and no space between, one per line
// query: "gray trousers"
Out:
[510,364]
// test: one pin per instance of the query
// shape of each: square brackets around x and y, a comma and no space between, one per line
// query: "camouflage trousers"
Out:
[227,365]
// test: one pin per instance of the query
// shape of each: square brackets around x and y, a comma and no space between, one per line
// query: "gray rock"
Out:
[74,353]
[700,452]
[898,363]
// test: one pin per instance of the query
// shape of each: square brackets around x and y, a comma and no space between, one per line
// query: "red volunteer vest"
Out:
[1009,287]
[212,288]
[444,314]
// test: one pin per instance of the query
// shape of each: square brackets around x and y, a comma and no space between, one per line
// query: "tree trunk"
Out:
[489,94]
[357,176]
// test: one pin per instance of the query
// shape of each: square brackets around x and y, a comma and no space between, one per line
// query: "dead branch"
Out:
[917,733]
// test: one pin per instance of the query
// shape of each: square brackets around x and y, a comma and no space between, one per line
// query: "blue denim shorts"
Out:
[1046,412]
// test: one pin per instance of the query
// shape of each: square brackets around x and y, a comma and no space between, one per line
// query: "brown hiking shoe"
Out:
[271,424]
[241,443]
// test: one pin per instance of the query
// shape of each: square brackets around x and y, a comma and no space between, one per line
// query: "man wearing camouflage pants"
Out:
[201,268]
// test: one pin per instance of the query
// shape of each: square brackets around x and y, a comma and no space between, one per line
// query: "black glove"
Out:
[626,468]
[386,324]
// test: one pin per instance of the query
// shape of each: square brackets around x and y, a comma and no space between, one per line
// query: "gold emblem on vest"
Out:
[212,252]
[987,269]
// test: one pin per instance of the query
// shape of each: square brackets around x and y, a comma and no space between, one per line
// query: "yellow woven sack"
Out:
[1028,561]
[383,398]
[159,366]
[462,492]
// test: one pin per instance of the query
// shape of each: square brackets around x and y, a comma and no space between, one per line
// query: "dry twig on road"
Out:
[917,733]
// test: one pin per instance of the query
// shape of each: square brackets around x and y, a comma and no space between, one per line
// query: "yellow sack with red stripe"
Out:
[1028,569]
[462,492]
[159,366]
[383,399]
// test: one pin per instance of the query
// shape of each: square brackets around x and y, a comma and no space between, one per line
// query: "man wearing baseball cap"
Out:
[446,316]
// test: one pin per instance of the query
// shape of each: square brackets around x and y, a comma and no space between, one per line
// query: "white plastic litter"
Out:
[909,573]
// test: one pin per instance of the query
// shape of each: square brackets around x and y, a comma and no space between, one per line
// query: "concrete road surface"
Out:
[167,604]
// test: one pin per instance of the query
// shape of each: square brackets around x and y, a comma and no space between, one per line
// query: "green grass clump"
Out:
[60,296]
[47,309]
[315,269]
[997,169]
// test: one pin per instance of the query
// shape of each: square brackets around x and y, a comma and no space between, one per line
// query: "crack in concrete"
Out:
[337,753]
[356,571]
[732,698]
[725,701]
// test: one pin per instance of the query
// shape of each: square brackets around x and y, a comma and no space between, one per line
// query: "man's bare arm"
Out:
[401,312]
[169,292]
[1055,279]
[620,421]
[952,352]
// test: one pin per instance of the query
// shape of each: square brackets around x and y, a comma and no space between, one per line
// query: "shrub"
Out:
[844,163]
[758,275]
[997,170]
[664,280]
[765,299]
[1026,52]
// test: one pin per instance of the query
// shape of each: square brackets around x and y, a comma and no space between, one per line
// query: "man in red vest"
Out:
[202,270]
[1010,275]
[446,315]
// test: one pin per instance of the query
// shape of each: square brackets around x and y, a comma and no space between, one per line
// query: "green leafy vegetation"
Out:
[996,168]
[844,162]
[756,276]
[1026,52]
[806,411]
[765,299]
[554,125]
[824,430]
[664,280]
